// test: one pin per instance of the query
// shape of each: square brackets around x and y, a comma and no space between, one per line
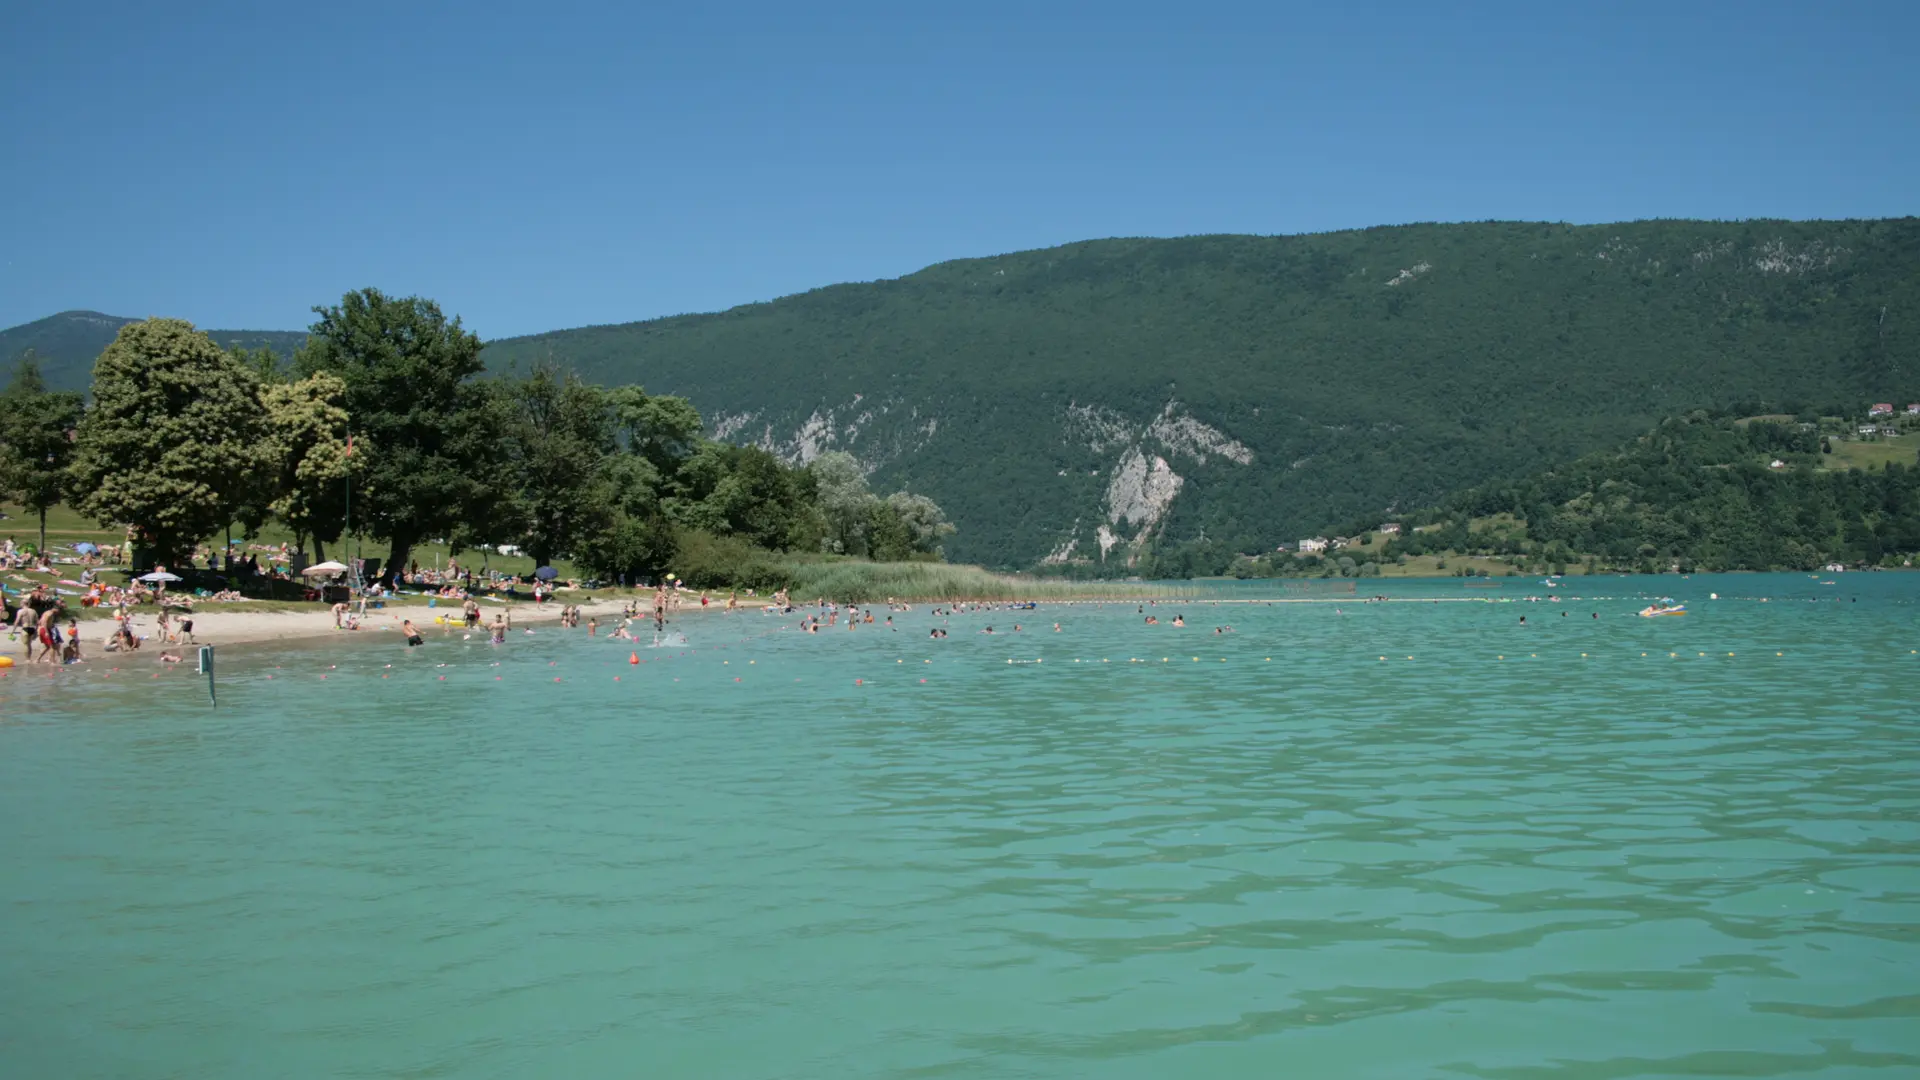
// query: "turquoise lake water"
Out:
[1631,848]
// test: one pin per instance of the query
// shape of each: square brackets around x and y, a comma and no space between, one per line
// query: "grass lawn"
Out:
[1858,454]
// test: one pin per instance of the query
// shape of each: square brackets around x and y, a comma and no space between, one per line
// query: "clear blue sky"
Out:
[542,165]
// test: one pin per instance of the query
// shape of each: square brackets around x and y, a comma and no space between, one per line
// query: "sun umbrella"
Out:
[161,575]
[328,567]
[86,547]
[546,573]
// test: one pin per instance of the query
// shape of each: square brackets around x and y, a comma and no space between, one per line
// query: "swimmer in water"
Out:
[413,636]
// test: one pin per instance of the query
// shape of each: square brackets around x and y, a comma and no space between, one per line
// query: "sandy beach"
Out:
[233,624]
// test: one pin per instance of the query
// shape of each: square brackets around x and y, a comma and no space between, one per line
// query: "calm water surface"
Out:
[1579,848]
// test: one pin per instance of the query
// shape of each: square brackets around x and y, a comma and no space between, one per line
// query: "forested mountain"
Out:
[1700,491]
[68,344]
[1077,401]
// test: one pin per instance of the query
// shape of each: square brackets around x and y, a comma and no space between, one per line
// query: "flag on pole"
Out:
[349,444]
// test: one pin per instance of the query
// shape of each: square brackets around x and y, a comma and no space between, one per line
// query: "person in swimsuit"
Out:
[27,622]
[500,629]
[413,635]
[49,636]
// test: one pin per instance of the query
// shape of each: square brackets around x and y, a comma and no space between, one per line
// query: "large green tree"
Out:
[664,429]
[845,501]
[562,436]
[430,439]
[173,440]
[926,524]
[306,428]
[36,440]
[638,542]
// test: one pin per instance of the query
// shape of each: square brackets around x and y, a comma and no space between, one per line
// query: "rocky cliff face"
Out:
[1134,460]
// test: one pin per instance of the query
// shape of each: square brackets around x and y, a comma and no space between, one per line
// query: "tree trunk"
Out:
[43,530]
[397,553]
[319,549]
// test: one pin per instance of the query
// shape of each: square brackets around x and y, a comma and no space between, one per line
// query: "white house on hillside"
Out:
[1308,547]
[1391,528]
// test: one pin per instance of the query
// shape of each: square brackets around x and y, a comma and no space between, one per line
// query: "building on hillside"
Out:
[1283,547]
[1913,410]
[1882,409]
[1889,431]
[1339,542]
[1776,463]
[1308,547]
[1868,429]
[1391,528]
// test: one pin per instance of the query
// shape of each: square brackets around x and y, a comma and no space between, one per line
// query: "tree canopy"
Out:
[172,443]
[386,400]
[428,440]
[36,440]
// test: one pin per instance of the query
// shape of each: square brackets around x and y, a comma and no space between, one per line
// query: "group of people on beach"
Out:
[50,632]
[37,621]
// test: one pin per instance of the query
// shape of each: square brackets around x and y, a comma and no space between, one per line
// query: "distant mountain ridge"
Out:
[1090,400]
[69,343]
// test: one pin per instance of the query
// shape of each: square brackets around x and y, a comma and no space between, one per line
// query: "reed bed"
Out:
[864,582]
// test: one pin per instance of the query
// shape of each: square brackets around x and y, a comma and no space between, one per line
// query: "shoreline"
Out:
[222,625]
[240,627]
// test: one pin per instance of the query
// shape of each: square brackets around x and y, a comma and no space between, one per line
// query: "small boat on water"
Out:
[1664,607]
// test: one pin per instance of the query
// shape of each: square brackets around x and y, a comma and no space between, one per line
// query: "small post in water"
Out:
[206,668]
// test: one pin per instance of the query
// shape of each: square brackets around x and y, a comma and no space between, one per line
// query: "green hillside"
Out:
[1257,389]
[1703,491]
[68,344]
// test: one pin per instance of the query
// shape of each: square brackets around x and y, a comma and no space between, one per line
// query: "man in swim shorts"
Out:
[413,636]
